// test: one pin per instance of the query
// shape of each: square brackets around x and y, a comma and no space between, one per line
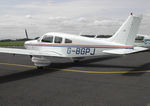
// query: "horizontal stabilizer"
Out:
[29,52]
[125,51]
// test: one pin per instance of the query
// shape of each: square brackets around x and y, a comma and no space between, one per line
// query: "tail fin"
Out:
[127,32]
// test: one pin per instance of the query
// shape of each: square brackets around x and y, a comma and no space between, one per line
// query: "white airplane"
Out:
[142,40]
[77,47]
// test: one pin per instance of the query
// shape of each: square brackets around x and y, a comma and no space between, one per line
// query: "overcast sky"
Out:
[71,16]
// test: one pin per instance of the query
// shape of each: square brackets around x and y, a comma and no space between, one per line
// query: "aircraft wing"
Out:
[125,51]
[29,52]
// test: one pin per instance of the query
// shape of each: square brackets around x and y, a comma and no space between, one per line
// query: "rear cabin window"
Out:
[103,36]
[48,39]
[58,39]
[68,41]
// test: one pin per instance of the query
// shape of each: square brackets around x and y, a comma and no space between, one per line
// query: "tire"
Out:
[40,67]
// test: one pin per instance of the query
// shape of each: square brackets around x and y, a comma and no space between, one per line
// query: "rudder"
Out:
[127,32]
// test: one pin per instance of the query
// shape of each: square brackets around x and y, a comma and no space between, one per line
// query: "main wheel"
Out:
[40,67]
[76,61]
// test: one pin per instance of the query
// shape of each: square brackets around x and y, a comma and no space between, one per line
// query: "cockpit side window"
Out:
[58,39]
[68,41]
[48,39]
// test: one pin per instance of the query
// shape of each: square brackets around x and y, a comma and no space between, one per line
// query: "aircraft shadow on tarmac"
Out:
[24,75]
[144,68]
[85,63]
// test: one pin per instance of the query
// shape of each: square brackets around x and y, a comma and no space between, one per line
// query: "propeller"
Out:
[26,34]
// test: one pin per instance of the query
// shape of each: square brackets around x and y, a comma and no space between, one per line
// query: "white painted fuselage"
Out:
[78,47]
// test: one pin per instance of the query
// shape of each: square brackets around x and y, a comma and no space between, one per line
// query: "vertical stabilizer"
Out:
[127,32]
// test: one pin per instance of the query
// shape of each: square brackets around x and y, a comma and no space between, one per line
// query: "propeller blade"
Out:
[26,34]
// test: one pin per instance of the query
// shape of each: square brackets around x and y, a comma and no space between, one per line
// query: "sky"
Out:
[69,16]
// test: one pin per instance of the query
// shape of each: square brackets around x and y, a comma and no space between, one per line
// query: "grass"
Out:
[12,43]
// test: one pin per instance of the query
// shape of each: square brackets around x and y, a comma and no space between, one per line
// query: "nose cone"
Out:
[30,43]
[27,43]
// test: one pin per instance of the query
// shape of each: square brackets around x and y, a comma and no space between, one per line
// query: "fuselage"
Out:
[69,45]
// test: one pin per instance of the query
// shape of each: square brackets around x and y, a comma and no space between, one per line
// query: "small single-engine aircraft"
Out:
[77,47]
[142,40]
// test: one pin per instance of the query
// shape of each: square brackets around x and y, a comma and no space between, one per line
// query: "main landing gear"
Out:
[77,59]
[40,67]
